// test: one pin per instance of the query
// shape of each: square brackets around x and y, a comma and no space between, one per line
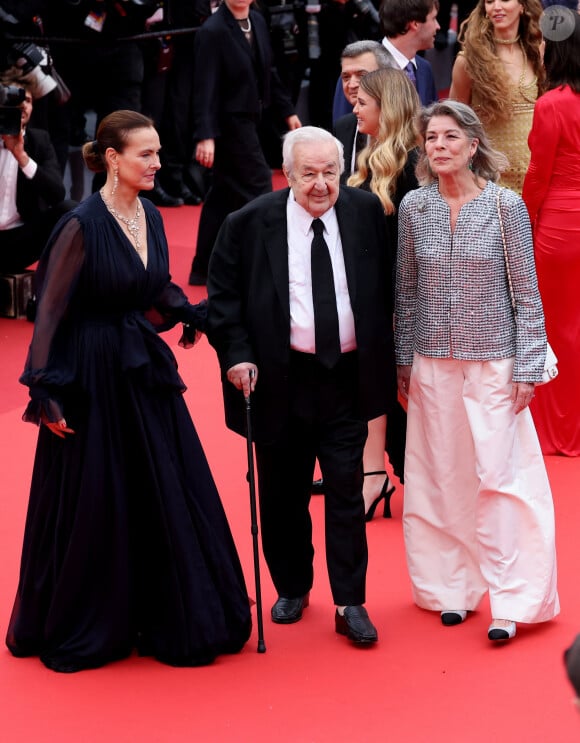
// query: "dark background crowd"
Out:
[138,54]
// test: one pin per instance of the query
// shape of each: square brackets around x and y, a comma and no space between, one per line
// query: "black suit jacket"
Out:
[249,305]
[227,78]
[46,189]
[345,132]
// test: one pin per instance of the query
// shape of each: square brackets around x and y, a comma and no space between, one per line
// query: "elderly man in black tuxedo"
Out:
[299,313]
[31,193]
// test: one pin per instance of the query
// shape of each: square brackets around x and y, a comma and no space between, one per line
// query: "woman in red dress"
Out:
[552,194]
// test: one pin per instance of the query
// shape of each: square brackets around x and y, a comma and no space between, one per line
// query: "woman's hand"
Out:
[59,428]
[522,394]
[204,152]
[293,122]
[404,380]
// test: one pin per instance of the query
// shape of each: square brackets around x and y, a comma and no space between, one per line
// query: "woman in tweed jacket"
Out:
[478,513]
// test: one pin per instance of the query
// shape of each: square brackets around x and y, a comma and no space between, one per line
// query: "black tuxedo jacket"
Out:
[46,189]
[249,305]
[228,79]
[345,132]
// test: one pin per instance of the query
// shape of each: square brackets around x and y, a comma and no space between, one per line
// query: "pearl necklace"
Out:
[132,225]
[245,30]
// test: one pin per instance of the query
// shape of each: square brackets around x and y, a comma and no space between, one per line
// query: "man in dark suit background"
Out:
[31,193]
[264,319]
[235,82]
[409,27]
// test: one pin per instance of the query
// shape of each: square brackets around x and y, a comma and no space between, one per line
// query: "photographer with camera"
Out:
[31,192]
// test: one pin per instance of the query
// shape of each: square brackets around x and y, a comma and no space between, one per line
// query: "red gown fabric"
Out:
[552,194]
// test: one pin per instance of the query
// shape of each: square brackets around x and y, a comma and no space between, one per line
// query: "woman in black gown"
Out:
[126,542]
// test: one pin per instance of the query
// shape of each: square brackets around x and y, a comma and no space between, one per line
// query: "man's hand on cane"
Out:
[243,376]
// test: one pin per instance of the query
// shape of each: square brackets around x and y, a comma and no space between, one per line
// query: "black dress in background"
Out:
[126,542]
[396,415]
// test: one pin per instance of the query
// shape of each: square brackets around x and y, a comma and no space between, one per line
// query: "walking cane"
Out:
[254,521]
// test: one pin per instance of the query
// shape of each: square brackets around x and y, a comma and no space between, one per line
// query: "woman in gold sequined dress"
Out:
[498,73]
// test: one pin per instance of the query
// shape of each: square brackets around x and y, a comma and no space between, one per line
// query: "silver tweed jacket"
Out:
[452,297]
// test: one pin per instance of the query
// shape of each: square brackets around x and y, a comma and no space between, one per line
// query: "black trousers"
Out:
[323,425]
[240,173]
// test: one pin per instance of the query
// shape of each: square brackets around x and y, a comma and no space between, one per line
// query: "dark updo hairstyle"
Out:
[113,131]
[562,60]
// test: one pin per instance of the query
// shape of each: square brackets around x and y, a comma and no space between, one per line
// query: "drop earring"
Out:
[115,181]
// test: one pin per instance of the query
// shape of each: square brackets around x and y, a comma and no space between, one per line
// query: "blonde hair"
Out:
[387,154]
[485,68]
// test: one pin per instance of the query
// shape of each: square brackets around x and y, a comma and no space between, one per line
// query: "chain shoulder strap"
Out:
[505,252]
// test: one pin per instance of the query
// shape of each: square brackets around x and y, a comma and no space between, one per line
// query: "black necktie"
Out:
[324,299]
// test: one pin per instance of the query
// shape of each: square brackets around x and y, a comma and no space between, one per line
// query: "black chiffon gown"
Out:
[126,544]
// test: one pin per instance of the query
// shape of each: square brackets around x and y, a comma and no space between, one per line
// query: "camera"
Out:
[10,115]
[23,64]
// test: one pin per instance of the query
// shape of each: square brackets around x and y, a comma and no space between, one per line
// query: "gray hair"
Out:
[308,135]
[487,163]
[367,46]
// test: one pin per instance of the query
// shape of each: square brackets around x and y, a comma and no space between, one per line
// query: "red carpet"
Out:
[423,683]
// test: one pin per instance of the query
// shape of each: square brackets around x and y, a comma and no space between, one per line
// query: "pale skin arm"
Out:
[460,82]
[243,376]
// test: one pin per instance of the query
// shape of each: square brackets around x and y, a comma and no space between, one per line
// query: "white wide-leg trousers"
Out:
[478,513]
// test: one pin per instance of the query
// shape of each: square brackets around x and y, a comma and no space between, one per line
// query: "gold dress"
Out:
[511,136]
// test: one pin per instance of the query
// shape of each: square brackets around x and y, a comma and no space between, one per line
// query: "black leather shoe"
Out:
[451,617]
[318,487]
[356,625]
[288,611]
[190,198]
[160,197]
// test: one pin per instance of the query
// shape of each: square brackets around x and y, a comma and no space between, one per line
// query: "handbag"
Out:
[551,362]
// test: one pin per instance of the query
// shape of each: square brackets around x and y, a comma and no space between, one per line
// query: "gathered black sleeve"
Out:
[171,306]
[46,370]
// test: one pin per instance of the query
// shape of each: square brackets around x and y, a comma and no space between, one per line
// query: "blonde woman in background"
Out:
[386,109]
[498,72]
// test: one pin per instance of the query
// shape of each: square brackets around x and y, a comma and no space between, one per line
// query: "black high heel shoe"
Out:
[386,493]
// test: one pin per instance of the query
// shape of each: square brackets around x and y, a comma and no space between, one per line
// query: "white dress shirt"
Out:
[399,58]
[9,216]
[300,275]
